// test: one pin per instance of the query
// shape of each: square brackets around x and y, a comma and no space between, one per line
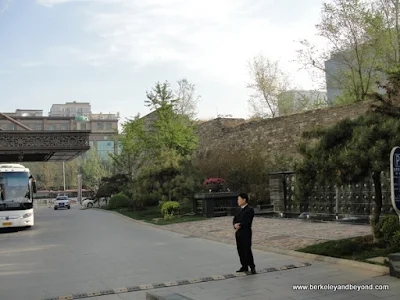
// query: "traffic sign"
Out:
[395,178]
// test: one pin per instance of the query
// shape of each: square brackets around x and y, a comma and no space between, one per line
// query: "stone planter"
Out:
[215,204]
[394,265]
[214,187]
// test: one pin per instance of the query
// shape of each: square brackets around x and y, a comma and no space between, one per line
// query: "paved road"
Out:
[81,251]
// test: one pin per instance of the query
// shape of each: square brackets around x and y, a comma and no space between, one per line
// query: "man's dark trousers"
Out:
[244,236]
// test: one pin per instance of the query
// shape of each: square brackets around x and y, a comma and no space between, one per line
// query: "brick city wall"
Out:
[278,135]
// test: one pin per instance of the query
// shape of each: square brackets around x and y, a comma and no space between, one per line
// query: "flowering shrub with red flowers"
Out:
[214,181]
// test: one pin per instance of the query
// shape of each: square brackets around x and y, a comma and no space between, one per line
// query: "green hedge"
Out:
[170,209]
[120,200]
[387,230]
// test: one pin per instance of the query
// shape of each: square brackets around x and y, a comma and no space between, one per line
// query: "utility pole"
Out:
[64,174]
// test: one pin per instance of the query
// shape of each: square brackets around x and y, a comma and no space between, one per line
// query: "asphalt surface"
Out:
[80,251]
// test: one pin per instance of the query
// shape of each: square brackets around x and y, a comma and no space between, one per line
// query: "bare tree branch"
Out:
[267,83]
[361,41]
[187,99]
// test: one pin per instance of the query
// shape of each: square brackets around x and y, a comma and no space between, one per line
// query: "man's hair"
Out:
[244,196]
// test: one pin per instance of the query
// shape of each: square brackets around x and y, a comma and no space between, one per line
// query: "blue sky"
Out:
[109,52]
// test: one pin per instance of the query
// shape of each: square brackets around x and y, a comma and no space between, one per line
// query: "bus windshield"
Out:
[14,187]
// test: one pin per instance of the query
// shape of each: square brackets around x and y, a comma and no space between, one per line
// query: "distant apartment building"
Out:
[103,127]
[296,101]
[27,112]
[70,109]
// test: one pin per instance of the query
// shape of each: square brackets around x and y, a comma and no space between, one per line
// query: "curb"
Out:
[332,260]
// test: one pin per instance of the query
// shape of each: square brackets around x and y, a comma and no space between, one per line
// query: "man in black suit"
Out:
[242,223]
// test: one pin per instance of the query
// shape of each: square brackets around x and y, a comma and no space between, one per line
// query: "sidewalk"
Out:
[285,234]
[279,286]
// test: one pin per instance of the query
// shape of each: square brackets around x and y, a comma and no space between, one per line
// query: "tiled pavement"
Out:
[281,233]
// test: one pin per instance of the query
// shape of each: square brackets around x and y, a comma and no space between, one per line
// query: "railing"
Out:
[34,140]
[31,146]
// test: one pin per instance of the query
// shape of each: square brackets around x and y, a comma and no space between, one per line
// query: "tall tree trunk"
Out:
[396,5]
[376,178]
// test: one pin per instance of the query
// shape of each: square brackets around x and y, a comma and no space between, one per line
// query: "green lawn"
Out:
[359,248]
[153,215]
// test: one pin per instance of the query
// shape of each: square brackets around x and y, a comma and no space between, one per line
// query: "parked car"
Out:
[62,202]
[88,202]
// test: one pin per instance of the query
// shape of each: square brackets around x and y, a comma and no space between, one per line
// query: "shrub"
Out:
[152,202]
[170,209]
[386,229]
[339,248]
[395,241]
[120,200]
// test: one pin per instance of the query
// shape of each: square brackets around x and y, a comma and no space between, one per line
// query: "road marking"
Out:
[175,283]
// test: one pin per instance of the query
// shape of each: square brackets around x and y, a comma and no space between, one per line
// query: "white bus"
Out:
[17,187]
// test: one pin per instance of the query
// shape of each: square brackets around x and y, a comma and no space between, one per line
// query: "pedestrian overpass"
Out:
[40,146]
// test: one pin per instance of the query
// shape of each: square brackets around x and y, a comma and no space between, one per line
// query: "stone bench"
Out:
[166,296]
[394,265]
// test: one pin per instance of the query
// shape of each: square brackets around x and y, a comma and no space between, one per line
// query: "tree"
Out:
[94,169]
[354,149]
[158,149]
[347,153]
[358,42]
[186,99]
[49,175]
[169,129]
[133,141]
[389,9]
[168,177]
[267,83]
[112,185]
[71,173]
[296,101]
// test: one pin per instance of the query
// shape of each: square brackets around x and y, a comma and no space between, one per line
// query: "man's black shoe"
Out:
[253,271]
[242,270]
